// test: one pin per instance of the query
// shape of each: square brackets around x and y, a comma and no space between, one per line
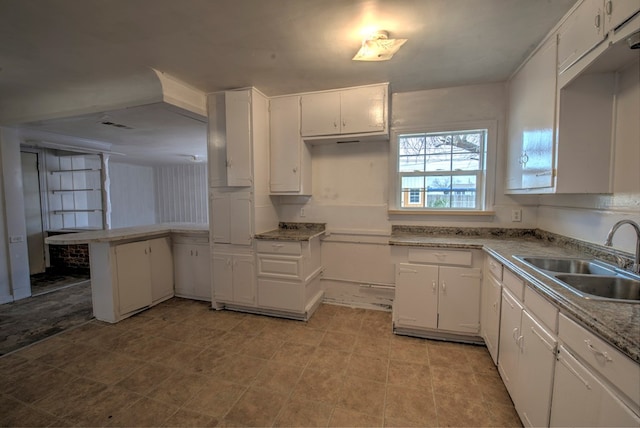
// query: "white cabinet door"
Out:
[320,114]
[244,279]
[362,110]
[201,272]
[222,270]
[286,145]
[241,218]
[134,276]
[491,303]
[182,254]
[416,300]
[221,217]
[618,11]
[510,337]
[239,142]
[532,101]
[459,299]
[535,372]
[582,31]
[216,140]
[581,399]
[161,260]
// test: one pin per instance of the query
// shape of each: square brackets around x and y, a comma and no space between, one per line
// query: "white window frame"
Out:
[487,187]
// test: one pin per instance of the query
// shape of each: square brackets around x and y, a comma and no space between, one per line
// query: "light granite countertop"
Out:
[617,323]
[127,233]
[293,232]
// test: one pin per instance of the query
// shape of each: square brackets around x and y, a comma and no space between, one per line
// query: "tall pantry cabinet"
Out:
[240,205]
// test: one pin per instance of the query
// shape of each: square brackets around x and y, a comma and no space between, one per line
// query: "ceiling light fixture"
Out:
[378,47]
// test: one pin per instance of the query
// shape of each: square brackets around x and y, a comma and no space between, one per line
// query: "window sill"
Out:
[448,213]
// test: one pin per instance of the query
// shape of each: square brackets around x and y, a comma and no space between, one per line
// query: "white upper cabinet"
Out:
[581,32]
[290,158]
[351,112]
[617,12]
[532,99]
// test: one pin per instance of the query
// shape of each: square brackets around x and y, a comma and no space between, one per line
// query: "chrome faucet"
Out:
[608,242]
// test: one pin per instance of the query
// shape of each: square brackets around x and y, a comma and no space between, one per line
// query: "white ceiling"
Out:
[279,46]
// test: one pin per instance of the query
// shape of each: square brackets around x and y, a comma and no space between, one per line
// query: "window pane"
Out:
[463,193]
[438,192]
[412,192]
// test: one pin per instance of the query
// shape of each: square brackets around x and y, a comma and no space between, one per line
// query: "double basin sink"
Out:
[588,278]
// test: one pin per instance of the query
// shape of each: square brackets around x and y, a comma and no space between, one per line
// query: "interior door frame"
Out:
[44,203]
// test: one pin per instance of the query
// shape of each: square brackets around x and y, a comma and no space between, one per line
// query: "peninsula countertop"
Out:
[127,233]
[617,323]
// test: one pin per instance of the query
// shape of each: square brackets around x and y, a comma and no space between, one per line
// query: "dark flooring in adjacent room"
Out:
[63,302]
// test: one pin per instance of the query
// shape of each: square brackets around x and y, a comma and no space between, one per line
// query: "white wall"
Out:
[589,217]
[181,193]
[132,195]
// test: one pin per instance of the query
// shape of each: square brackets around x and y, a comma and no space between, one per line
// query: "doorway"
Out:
[33,211]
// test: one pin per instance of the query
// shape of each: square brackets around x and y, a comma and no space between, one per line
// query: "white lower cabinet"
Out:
[192,268]
[162,281]
[510,322]
[491,304]
[434,300]
[595,384]
[289,277]
[234,277]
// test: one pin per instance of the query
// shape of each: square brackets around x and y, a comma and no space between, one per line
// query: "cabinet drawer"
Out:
[617,368]
[190,239]
[284,267]
[288,296]
[541,308]
[513,283]
[441,257]
[494,267]
[279,247]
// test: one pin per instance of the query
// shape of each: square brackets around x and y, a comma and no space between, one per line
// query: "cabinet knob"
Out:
[444,286]
[295,170]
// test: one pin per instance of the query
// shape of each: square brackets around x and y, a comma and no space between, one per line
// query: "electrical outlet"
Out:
[16,239]
[516,215]
[302,213]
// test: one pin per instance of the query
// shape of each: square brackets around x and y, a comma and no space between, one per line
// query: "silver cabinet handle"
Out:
[598,352]
[597,21]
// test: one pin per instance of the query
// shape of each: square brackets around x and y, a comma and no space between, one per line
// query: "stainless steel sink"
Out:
[588,278]
[568,265]
[607,287]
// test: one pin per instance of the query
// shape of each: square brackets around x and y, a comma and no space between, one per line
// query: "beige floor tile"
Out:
[174,331]
[105,367]
[329,359]
[148,348]
[239,369]
[409,349]
[177,388]
[278,377]
[178,355]
[305,335]
[330,310]
[372,346]
[298,413]
[83,333]
[257,408]
[503,415]
[363,396]
[208,361]
[39,385]
[493,389]
[146,378]
[63,354]
[143,413]
[370,368]
[346,323]
[21,415]
[295,354]
[349,418]
[41,348]
[188,418]
[63,402]
[410,375]
[260,347]
[338,341]
[97,409]
[448,355]
[229,343]
[106,338]
[250,326]
[480,361]
[215,399]
[452,382]
[376,328]
[319,385]
[320,320]
[416,406]
[460,412]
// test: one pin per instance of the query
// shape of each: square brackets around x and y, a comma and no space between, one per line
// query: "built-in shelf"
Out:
[74,170]
[74,190]
[76,211]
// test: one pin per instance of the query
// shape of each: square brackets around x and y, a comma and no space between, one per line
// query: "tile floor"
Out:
[182,364]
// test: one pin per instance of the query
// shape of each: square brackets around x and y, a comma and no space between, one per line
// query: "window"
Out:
[442,169]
